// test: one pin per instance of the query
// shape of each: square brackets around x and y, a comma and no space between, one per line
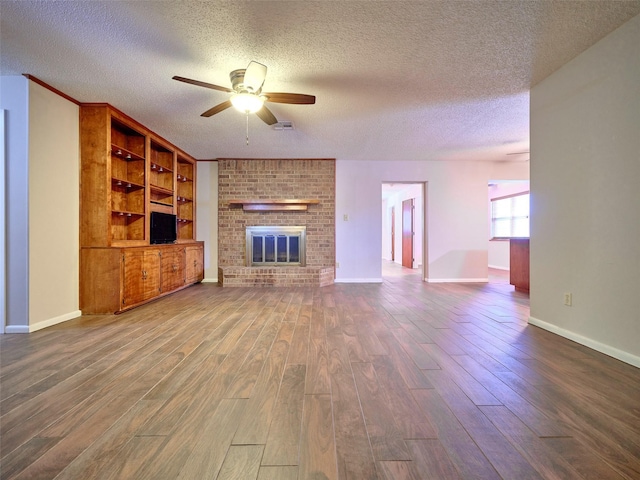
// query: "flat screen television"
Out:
[163,228]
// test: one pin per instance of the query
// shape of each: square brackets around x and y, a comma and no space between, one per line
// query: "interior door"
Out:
[407,233]
[393,234]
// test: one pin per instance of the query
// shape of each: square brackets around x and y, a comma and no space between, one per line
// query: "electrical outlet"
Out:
[345,217]
[337,264]
[567,299]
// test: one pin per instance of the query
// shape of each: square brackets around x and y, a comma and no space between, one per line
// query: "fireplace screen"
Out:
[275,246]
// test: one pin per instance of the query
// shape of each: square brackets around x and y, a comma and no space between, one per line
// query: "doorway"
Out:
[403,235]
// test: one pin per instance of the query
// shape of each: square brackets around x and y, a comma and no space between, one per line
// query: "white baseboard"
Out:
[210,280]
[16,329]
[621,355]
[457,280]
[54,321]
[43,324]
[496,267]
[358,280]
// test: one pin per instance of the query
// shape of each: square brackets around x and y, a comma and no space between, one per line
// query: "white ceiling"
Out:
[426,80]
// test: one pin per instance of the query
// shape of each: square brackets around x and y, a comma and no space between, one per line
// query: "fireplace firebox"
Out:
[275,246]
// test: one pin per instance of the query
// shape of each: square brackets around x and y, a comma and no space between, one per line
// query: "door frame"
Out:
[423,231]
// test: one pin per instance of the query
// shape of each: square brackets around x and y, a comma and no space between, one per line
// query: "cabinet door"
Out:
[151,273]
[173,273]
[133,285]
[194,264]
[141,276]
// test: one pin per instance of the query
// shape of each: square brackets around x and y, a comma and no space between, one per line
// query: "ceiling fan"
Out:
[246,87]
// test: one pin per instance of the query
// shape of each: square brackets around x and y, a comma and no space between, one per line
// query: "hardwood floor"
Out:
[400,380]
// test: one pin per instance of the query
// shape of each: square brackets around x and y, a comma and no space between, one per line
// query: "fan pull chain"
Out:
[247,128]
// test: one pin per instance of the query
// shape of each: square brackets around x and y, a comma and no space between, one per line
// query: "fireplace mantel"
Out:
[278,205]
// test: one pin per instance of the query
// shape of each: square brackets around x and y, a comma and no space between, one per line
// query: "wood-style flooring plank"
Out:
[207,455]
[599,437]
[317,444]
[409,371]
[584,460]
[176,405]
[357,352]
[474,389]
[399,470]
[419,356]
[403,406]
[248,372]
[385,436]
[242,462]
[317,381]
[132,460]
[431,459]
[299,345]
[353,447]
[462,450]
[527,413]
[254,427]
[503,456]
[278,473]
[96,458]
[283,441]
[76,441]
[17,460]
[549,463]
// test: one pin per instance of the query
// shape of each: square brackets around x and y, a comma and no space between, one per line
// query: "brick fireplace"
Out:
[276,193]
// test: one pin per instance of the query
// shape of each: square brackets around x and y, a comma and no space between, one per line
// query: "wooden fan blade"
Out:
[266,116]
[291,98]
[202,84]
[217,109]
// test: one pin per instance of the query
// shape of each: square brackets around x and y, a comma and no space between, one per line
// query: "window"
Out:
[510,216]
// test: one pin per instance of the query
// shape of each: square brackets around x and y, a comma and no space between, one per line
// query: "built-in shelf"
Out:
[124,213]
[124,153]
[118,182]
[283,204]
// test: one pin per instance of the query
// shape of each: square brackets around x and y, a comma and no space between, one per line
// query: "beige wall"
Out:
[54,153]
[207,217]
[585,194]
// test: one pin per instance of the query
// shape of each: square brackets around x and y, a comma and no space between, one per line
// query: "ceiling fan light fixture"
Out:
[247,102]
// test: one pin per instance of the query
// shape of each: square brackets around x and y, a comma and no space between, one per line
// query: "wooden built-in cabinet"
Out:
[128,172]
[115,279]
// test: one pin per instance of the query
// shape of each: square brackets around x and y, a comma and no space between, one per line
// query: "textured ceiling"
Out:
[429,80]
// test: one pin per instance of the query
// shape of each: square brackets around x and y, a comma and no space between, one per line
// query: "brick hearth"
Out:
[276,276]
